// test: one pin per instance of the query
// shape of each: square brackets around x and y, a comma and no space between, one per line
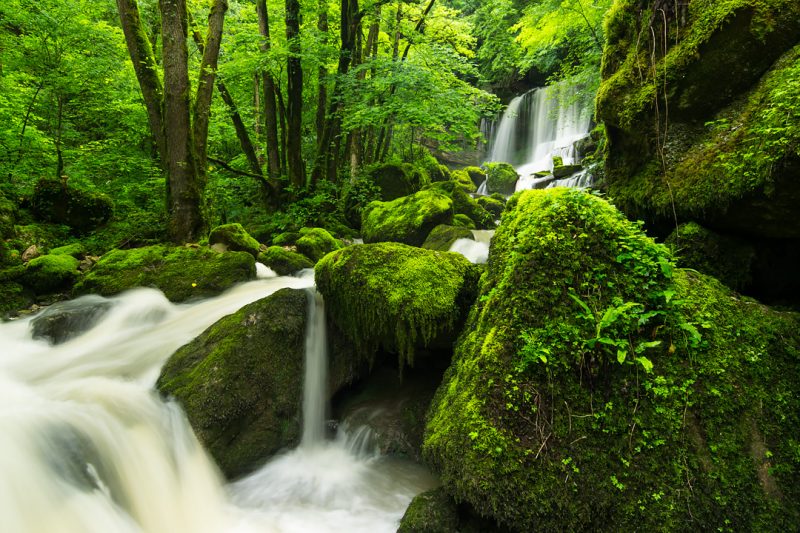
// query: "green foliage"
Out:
[396,296]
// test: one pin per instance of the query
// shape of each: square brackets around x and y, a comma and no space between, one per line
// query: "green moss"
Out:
[235,238]
[476,174]
[443,236]
[395,180]
[286,239]
[725,132]
[13,297]
[45,236]
[492,205]
[594,388]
[314,243]
[48,273]
[395,296]
[408,219]
[75,250]
[180,272]
[464,181]
[463,221]
[430,512]
[284,261]
[724,258]
[464,204]
[440,173]
[240,382]
[59,203]
[8,217]
[501,178]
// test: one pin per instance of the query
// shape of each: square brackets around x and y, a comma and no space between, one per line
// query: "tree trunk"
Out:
[205,84]
[270,108]
[144,64]
[322,74]
[184,187]
[294,92]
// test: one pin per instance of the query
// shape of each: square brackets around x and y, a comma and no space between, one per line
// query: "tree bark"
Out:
[205,84]
[144,64]
[322,74]
[270,107]
[184,187]
[294,93]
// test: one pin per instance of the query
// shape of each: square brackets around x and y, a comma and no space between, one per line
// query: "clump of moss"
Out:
[180,272]
[56,202]
[443,236]
[463,221]
[408,219]
[432,511]
[235,238]
[240,382]
[48,273]
[501,178]
[314,243]
[476,174]
[464,204]
[75,250]
[464,181]
[492,205]
[439,173]
[724,258]
[593,384]
[284,261]
[396,296]
[45,236]
[286,239]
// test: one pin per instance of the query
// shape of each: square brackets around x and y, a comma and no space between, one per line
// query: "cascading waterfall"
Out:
[535,127]
[475,249]
[86,445]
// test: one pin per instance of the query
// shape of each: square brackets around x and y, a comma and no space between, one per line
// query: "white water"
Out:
[86,445]
[475,249]
[535,128]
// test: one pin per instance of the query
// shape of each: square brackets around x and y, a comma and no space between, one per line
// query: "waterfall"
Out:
[87,445]
[475,249]
[536,127]
[316,372]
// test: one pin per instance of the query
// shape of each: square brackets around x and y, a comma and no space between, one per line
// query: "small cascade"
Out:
[475,249]
[535,128]
[316,373]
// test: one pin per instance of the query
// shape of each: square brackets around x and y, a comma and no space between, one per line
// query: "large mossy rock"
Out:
[395,180]
[48,273]
[241,381]
[595,388]
[723,148]
[235,238]
[315,243]
[182,273]
[501,178]
[395,296]
[408,219]
[284,261]
[464,204]
[59,203]
[443,236]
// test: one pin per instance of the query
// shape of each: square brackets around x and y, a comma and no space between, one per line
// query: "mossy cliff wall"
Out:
[702,107]
[596,388]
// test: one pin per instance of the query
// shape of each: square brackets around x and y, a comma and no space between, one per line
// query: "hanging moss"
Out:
[594,388]
[283,261]
[181,273]
[235,238]
[408,219]
[395,296]
[443,236]
[314,243]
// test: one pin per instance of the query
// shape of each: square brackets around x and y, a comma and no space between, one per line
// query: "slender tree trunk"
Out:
[205,84]
[59,127]
[270,108]
[258,115]
[322,75]
[282,119]
[144,65]
[184,187]
[294,92]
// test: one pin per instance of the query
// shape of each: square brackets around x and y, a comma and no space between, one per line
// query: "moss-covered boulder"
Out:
[464,181]
[464,204]
[596,388]
[395,180]
[63,321]
[476,174]
[492,205]
[501,178]
[463,221]
[241,381]
[443,236]
[235,238]
[724,258]
[182,273]
[284,261]
[48,273]
[396,296]
[725,154]
[60,203]
[439,173]
[432,511]
[408,220]
[314,243]
[75,250]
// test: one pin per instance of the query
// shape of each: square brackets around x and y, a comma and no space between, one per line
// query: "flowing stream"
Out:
[86,445]
[536,127]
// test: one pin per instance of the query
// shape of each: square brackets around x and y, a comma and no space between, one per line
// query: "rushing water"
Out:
[475,249]
[86,445]
[534,128]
